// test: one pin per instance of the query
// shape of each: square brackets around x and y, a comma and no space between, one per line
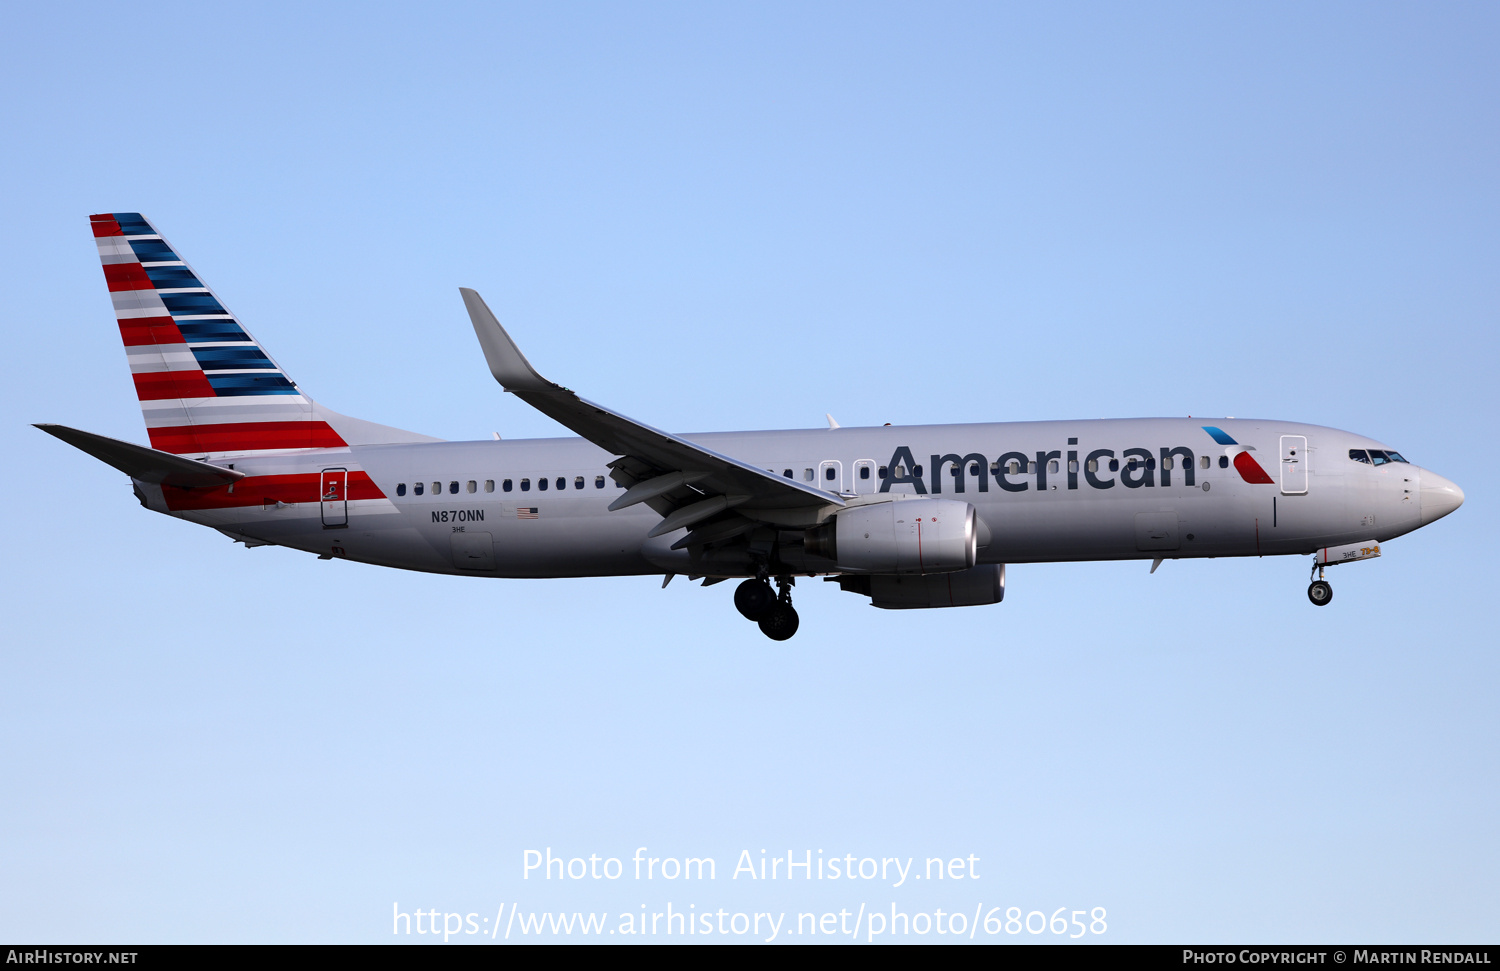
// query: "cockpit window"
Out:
[1396,457]
[1358,455]
[1378,457]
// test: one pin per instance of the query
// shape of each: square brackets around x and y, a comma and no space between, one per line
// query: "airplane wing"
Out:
[688,484]
[146,464]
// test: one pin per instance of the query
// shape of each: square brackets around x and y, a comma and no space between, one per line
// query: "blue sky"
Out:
[743,217]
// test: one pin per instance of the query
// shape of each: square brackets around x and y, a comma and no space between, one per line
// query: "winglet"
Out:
[507,363]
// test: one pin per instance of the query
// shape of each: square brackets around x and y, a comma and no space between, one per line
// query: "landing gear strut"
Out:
[780,622]
[1321,591]
[772,611]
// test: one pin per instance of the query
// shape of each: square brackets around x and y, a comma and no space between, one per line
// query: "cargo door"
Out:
[333,493]
[1156,531]
[473,551]
[1293,465]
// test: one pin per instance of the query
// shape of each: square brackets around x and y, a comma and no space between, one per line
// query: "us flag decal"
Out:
[526,512]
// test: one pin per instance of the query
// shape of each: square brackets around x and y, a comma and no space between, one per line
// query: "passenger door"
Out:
[333,498]
[1293,465]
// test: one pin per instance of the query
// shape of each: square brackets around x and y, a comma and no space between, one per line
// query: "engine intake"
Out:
[906,536]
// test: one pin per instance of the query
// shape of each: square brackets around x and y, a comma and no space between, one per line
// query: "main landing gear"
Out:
[772,611]
[1321,591]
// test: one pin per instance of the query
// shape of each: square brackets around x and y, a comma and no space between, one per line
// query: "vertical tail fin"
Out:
[205,385]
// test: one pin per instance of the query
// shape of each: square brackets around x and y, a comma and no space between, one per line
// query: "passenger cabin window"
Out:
[562,483]
[598,482]
[525,485]
[807,475]
[541,484]
[787,473]
[1093,465]
[974,469]
[505,486]
[1223,461]
[882,472]
[401,489]
[1073,466]
[1358,455]
[489,485]
[1052,466]
[1203,461]
[864,472]
[417,489]
[829,473]
[437,488]
[453,488]
[1166,463]
[1013,467]
[472,486]
[578,482]
[1114,465]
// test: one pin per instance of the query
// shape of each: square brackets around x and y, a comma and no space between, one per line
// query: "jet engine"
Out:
[907,536]
[984,584]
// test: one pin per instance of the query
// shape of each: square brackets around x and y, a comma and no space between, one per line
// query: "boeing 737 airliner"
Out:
[916,516]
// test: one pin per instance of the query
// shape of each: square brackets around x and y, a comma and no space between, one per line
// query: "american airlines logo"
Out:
[1134,468]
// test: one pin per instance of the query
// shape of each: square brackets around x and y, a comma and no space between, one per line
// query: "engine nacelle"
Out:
[906,536]
[967,588]
[971,588]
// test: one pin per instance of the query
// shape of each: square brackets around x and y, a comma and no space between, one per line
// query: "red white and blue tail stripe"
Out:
[205,385]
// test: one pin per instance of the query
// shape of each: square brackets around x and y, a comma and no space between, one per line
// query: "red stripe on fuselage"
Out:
[105,224]
[257,490]
[127,276]
[1250,470]
[137,331]
[247,436]
[156,385]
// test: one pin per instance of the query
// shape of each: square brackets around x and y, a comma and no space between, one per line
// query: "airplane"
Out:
[909,516]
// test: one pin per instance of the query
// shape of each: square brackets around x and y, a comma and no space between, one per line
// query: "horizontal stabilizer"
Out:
[145,464]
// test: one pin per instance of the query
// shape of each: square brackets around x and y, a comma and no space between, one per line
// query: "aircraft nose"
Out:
[1439,497]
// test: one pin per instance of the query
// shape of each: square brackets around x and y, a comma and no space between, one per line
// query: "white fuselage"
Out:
[1062,502]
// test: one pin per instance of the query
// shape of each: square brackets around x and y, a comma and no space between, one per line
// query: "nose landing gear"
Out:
[1321,591]
[772,611]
